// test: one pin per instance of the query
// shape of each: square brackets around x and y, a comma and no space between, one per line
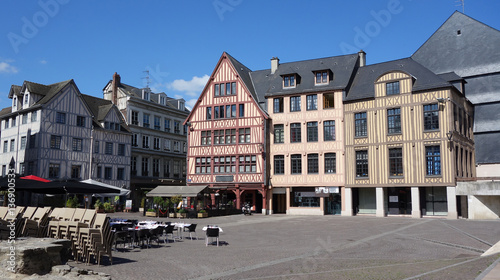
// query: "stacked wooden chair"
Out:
[36,225]
[15,216]
[56,228]
[95,241]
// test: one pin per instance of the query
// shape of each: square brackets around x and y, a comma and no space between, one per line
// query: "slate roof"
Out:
[100,109]
[472,52]
[5,111]
[486,145]
[267,84]
[48,91]
[363,84]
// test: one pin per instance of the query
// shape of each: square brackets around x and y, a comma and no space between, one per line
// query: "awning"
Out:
[184,191]
[112,189]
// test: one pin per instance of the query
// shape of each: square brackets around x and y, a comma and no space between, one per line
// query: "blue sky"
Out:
[180,42]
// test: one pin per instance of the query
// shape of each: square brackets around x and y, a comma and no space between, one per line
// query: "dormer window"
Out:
[26,99]
[162,100]
[289,81]
[392,88]
[322,77]
[181,105]
[14,103]
[145,94]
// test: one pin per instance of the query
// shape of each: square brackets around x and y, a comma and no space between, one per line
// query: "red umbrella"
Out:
[35,178]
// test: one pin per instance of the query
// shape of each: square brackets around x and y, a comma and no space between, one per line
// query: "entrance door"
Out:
[399,201]
[333,204]
[279,203]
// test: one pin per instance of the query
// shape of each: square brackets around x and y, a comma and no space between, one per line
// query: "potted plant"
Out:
[202,214]
[182,213]
[151,212]
[143,201]
[99,206]
[108,208]
[174,201]
[72,202]
[163,209]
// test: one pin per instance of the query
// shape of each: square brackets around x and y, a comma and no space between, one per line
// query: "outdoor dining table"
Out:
[180,228]
[205,228]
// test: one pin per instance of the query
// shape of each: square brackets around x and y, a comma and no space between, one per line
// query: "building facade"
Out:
[227,139]
[468,47]
[408,138]
[304,102]
[56,132]
[159,138]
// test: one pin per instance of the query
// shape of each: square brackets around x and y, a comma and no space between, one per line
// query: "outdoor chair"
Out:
[142,235]
[212,233]
[34,225]
[191,229]
[154,235]
[27,214]
[170,230]
[121,237]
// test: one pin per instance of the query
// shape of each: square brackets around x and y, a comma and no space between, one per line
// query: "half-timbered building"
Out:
[408,136]
[159,143]
[227,138]
[56,132]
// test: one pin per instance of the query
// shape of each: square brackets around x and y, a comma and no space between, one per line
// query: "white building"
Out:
[56,132]
[159,140]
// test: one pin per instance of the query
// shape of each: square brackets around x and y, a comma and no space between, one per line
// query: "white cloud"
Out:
[7,68]
[190,103]
[43,61]
[191,88]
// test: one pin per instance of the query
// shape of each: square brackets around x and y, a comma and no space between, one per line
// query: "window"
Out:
[289,81]
[216,89]
[228,138]
[206,138]
[176,169]
[294,103]
[231,136]
[216,112]
[392,88]
[219,137]
[156,143]
[431,117]
[26,99]
[244,134]
[279,164]
[241,110]
[312,102]
[279,134]
[54,170]
[25,118]
[75,171]
[31,167]
[361,163]
[312,164]
[248,164]
[166,144]
[80,121]
[135,118]
[121,149]
[77,144]
[396,162]
[135,140]
[96,146]
[60,117]
[203,165]
[303,197]
[296,164]
[329,130]
[34,116]
[22,168]
[5,146]
[32,141]
[166,169]
[177,146]
[145,167]
[12,145]
[330,163]
[145,120]
[14,121]
[278,105]
[145,142]
[312,132]
[177,127]
[108,148]
[55,142]
[231,112]
[328,100]
[157,123]
[156,167]
[120,174]
[394,120]
[167,125]
[360,124]
[7,123]
[225,89]
[433,160]
[23,143]
[321,77]
[133,165]
[108,173]
[225,164]
[209,113]
[295,136]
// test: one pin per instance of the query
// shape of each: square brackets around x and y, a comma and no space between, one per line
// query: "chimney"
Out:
[275,62]
[362,58]
[116,83]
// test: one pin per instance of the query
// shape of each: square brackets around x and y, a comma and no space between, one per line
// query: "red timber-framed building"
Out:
[227,139]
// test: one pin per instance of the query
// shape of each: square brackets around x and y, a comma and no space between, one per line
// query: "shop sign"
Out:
[326,191]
